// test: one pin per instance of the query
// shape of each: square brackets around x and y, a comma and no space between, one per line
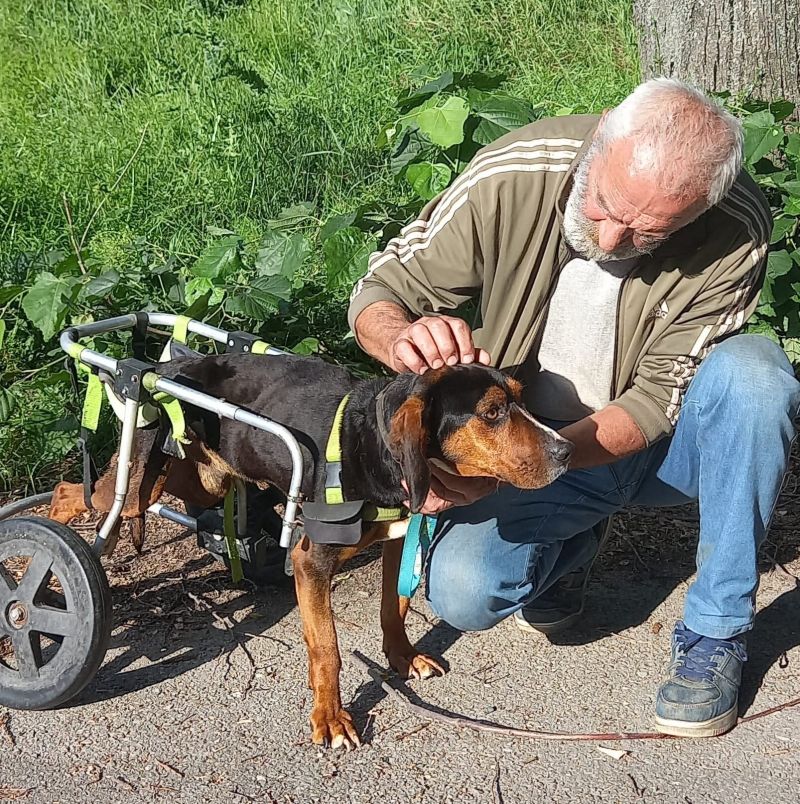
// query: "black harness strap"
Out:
[90,473]
[140,337]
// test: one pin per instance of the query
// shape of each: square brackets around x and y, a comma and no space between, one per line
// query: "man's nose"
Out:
[610,235]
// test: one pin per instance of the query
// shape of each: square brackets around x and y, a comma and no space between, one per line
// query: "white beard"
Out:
[581,232]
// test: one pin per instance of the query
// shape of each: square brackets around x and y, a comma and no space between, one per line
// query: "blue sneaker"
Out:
[701,696]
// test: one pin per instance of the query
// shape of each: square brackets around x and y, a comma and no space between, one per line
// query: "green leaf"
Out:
[760,119]
[782,290]
[783,227]
[408,147]
[428,179]
[795,255]
[308,346]
[101,285]
[480,80]
[65,424]
[220,259]
[282,254]
[216,231]
[767,296]
[277,286]
[773,178]
[781,109]
[199,307]
[761,135]
[792,188]
[2,332]
[792,348]
[386,136]
[499,114]
[45,303]
[792,206]
[764,328]
[413,97]
[778,263]
[10,292]
[196,287]
[292,216]
[8,402]
[336,223]
[48,380]
[444,125]
[68,265]
[793,145]
[346,256]
[261,298]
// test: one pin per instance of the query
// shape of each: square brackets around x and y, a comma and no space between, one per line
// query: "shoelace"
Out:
[700,654]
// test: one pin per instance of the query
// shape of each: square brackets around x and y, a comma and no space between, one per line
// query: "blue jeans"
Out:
[729,451]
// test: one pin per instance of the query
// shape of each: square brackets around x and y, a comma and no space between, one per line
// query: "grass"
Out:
[231,110]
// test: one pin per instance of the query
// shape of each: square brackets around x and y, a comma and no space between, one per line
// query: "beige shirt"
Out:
[576,352]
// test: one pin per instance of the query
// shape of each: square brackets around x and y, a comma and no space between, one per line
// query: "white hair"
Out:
[680,135]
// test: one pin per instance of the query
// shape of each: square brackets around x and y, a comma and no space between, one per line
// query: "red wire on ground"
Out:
[462,721]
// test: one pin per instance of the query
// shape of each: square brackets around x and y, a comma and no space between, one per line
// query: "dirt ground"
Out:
[202,697]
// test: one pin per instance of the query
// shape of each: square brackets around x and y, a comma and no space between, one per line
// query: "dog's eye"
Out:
[494,413]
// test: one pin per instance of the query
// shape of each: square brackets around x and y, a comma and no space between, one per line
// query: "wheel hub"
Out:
[17,615]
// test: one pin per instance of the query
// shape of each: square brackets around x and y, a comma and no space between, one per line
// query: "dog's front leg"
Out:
[314,567]
[402,656]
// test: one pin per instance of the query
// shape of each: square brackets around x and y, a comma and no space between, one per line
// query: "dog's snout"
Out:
[560,450]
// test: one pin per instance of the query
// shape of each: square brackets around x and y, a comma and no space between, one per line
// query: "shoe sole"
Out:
[571,619]
[547,628]
[705,728]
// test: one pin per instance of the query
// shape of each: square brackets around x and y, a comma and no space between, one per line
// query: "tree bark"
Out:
[750,46]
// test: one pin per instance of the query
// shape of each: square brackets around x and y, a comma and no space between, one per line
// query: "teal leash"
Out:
[415,550]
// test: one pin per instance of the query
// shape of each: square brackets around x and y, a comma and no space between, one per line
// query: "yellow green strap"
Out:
[229,529]
[180,332]
[333,458]
[92,402]
[333,451]
[172,407]
[259,347]
[372,513]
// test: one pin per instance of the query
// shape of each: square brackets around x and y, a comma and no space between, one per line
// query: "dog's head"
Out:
[472,416]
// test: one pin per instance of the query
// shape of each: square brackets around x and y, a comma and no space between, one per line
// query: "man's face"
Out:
[614,215]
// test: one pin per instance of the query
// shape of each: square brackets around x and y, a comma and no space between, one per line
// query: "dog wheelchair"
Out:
[55,609]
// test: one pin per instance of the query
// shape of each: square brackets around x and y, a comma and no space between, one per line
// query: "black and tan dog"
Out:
[471,416]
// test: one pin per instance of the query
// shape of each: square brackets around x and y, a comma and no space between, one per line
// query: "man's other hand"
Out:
[449,490]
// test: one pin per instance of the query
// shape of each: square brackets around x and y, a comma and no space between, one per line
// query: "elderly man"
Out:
[614,259]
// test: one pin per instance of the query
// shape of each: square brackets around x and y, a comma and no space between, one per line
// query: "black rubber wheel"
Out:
[55,613]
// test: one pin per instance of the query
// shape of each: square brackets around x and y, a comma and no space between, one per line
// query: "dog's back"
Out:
[301,393]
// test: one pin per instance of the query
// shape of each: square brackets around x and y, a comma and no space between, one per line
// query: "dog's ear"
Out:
[408,441]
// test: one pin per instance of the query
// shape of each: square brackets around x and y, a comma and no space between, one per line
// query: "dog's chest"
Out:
[395,530]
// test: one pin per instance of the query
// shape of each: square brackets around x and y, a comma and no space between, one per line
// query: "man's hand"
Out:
[449,490]
[430,342]
[433,342]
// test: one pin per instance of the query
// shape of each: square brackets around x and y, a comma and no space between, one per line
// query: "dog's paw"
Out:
[410,664]
[334,729]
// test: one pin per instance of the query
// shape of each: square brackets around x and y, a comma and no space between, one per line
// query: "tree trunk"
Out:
[750,46]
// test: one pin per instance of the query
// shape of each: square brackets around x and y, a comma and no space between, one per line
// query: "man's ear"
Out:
[408,441]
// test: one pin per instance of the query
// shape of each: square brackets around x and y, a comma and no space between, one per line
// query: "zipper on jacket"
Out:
[617,339]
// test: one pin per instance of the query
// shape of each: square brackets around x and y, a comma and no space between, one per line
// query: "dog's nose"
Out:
[560,450]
